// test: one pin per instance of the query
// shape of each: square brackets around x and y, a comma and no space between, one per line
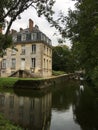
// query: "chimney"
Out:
[21,29]
[31,23]
[13,31]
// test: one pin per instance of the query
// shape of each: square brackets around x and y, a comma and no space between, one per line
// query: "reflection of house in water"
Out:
[29,112]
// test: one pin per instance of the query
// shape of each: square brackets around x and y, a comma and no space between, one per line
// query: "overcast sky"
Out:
[41,21]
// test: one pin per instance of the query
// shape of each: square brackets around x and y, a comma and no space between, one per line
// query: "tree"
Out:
[13,10]
[81,27]
[62,59]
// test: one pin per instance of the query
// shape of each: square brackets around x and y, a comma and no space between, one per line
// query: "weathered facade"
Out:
[32,56]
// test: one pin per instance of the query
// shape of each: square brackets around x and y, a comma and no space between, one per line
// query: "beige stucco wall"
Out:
[42,69]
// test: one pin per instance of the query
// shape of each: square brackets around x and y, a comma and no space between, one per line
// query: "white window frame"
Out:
[33,62]
[23,37]
[4,63]
[34,36]
[14,63]
[23,50]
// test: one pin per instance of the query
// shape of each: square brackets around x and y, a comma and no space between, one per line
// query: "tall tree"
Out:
[81,27]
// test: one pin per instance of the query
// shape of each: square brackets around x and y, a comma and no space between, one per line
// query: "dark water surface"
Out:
[66,106]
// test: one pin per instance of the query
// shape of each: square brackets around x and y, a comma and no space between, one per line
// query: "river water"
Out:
[66,106]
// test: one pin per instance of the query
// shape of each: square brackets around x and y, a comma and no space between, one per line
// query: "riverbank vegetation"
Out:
[9,82]
[7,125]
[81,27]
[57,73]
[63,59]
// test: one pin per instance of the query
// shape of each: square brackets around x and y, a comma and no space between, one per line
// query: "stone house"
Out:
[31,56]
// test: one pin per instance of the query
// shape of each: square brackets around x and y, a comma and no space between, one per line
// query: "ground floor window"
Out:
[33,62]
[4,63]
[13,63]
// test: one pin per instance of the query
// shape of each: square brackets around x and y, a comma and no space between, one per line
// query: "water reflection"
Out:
[85,109]
[29,112]
[65,107]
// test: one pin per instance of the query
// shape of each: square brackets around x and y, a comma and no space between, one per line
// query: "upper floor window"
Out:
[4,63]
[13,63]
[34,36]
[23,49]
[34,49]
[47,50]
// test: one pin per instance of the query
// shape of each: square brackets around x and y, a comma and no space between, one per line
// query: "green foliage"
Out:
[5,42]
[56,73]
[7,125]
[63,59]
[94,76]
[8,82]
[82,29]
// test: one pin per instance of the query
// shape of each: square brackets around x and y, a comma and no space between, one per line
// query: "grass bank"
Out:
[57,73]
[9,81]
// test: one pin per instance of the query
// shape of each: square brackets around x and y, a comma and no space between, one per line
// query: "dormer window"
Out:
[34,36]
[14,38]
[23,37]
[19,38]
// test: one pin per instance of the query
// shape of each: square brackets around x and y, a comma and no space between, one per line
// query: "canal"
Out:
[66,106]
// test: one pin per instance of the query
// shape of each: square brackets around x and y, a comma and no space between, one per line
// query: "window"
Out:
[33,62]
[13,51]
[33,49]
[47,64]
[28,37]
[42,37]
[18,38]
[4,63]
[34,36]
[44,63]
[14,38]
[47,50]
[13,63]
[23,49]
[23,37]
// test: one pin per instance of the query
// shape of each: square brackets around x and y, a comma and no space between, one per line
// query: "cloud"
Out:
[44,26]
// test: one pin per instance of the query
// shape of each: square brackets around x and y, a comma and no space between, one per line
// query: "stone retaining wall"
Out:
[39,84]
